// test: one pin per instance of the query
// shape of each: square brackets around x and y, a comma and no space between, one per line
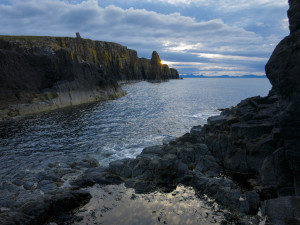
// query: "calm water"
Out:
[121,128]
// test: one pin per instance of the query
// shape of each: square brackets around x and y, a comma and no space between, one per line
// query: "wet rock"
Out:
[218,144]
[283,210]
[122,167]
[187,155]
[141,186]
[153,150]
[182,170]
[85,163]
[29,185]
[286,191]
[199,181]
[141,170]
[47,186]
[216,119]
[98,175]
[47,175]
[275,170]
[187,138]
[12,218]
[39,210]
[164,171]
[250,131]
[7,199]
[168,139]
[244,206]
[196,130]
[229,198]
[254,201]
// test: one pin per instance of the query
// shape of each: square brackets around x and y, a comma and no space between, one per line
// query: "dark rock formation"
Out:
[46,73]
[283,70]
[246,158]
[159,71]
[153,69]
[39,211]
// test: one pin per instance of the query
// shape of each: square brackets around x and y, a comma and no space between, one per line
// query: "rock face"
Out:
[283,70]
[52,72]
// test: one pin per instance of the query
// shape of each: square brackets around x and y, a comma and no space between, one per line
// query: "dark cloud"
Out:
[176,37]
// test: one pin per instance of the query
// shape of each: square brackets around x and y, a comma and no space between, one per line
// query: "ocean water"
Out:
[120,128]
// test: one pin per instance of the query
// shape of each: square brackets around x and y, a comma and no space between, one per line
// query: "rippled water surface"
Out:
[120,128]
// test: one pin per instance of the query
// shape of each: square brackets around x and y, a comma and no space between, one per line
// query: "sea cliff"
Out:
[45,73]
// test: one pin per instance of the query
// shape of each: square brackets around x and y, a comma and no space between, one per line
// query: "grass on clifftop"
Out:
[22,38]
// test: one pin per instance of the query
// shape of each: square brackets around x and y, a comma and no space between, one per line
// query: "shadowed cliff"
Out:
[283,71]
[52,72]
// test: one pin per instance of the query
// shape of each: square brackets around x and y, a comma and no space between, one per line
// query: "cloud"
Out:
[170,34]
[114,23]
[233,57]
[227,4]
[213,69]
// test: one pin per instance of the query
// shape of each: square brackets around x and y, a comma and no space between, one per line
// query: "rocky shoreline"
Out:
[40,74]
[232,159]
[228,159]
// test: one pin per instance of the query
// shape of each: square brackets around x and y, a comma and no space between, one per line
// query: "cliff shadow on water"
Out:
[45,73]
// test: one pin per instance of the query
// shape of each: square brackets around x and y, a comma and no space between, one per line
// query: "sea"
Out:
[119,128]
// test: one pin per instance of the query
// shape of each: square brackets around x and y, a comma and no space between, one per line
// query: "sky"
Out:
[200,37]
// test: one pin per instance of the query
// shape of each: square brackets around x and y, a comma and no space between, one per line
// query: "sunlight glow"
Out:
[228,4]
[232,57]
[180,47]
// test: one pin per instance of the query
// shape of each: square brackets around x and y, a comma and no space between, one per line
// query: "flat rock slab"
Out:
[216,119]
[250,131]
[284,210]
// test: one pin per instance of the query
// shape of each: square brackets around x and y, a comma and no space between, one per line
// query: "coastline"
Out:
[46,73]
[53,100]
[191,160]
[228,159]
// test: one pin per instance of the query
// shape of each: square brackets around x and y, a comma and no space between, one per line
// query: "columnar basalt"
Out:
[44,73]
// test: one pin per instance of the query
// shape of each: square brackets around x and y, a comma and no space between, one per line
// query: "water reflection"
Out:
[114,204]
[121,128]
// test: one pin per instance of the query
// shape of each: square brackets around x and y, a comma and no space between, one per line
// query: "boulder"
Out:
[216,119]
[250,131]
[283,210]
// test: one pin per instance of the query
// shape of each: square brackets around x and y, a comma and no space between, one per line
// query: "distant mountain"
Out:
[223,76]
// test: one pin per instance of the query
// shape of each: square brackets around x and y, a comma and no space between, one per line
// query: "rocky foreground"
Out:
[238,159]
[46,73]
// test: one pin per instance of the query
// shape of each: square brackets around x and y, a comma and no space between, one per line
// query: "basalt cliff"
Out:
[44,73]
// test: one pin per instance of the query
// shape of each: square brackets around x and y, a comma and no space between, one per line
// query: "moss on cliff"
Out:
[41,70]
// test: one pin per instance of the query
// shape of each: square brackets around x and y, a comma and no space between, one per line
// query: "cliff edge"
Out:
[44,73]
[283,71]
